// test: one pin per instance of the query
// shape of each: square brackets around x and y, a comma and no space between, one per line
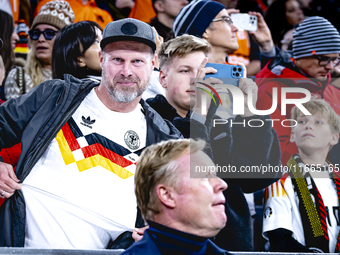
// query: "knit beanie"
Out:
[315,36]
[196,17]
[55,13]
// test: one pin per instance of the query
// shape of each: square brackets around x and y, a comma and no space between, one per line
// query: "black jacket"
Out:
[34,120]
[236,146]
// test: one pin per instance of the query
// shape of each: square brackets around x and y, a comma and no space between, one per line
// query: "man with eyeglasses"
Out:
[316,48]
[210,20]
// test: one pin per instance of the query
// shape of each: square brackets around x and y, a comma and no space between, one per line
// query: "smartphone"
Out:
[229,74]
[244,21]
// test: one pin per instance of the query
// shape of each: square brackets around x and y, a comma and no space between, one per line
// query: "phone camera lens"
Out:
[237,74]
[240,69]
[234,69]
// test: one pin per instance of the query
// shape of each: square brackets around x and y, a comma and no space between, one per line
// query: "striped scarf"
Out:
[313,216]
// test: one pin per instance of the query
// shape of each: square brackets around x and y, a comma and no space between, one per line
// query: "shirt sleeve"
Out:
[278,209]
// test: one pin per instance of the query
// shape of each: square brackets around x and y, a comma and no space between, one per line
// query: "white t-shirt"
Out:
[282,208]
[80,194]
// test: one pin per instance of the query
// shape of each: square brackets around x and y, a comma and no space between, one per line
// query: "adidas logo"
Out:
[87,122]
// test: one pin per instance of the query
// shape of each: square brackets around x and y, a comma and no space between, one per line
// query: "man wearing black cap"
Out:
[80,143]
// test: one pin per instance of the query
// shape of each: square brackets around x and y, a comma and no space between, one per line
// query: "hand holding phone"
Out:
[244,21]
[229,74]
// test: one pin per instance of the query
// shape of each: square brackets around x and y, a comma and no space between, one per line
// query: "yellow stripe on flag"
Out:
[98,160]
[64,148]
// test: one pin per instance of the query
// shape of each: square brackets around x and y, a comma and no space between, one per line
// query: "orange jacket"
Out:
[90,11]
[143,11]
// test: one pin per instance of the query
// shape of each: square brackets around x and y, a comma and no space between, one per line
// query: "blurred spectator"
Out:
[84,10]
[9,38]
[166,11]
[18,9]
[52,17]
[76,51]
[316,48]
[21,49]
[119,9]
[143,11]
[281,16]
[287,41]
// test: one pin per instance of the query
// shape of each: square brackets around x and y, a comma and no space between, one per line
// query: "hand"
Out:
[249,89]
[137,233]
[8,180]
[262,35]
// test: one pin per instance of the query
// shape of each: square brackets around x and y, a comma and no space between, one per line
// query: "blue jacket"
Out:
[34,120]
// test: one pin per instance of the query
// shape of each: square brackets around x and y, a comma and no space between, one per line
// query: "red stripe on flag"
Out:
[97,148]
[70,138]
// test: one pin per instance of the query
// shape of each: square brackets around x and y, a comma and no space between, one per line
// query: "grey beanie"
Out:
[315,36]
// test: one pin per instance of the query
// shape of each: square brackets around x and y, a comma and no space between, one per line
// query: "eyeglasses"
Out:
[224,19]
[48,34]
[323,61]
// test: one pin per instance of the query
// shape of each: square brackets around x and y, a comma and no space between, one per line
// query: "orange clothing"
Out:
[243,51]
[143,11]
[90,11]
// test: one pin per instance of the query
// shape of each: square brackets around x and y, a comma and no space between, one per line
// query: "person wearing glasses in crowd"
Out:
[210,20]
[52,17]
[316,48]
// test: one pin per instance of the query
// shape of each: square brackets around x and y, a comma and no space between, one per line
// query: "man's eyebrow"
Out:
[187,66]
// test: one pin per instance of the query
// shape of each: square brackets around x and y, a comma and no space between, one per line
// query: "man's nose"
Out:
[126,69]
[219,184]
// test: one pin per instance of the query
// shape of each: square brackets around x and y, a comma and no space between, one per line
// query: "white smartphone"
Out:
[244,21]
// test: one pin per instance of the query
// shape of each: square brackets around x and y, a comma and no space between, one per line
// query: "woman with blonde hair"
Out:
[52,17]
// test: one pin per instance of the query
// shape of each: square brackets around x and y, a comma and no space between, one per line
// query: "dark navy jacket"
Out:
[161,240]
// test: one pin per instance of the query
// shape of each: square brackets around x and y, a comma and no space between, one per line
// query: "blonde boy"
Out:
[301,212]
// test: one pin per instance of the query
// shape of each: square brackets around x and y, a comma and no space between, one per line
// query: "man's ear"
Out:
[292,137]
[166,195]
[335,139]
[159,6]
[206,34]
[81,61]
[101,58]
[163,77]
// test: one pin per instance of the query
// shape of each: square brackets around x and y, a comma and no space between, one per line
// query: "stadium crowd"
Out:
[105,119]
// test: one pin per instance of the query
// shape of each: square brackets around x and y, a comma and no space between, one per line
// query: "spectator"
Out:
[169,198]
[9,38]
[301,210]
[248,52]
[288,12]
[84,10]
[78,144]
[181,60]
[211,21]
[316,48]
[166,11]
[52,17]
[76,51]
[142,10]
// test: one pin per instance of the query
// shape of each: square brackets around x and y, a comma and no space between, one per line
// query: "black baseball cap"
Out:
[129,30]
